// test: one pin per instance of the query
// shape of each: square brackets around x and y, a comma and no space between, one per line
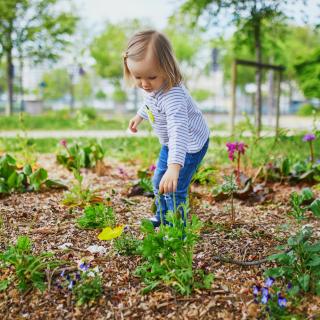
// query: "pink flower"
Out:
[152,167]
[233,147]
[63,142]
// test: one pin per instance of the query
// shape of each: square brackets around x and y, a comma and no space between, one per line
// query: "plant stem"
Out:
[238,169]
[311,152]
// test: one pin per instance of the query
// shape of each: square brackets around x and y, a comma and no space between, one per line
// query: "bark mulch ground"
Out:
[260,228]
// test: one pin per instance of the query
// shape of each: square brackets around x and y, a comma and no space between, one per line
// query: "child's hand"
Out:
[169,180]
[134,122]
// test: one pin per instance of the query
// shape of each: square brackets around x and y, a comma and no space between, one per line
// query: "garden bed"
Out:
[40,216]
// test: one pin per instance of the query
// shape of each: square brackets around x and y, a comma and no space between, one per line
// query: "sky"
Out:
[98,11]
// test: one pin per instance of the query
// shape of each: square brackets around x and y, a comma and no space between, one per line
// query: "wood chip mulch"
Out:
[260,228]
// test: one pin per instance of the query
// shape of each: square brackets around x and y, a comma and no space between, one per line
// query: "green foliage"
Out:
[29,269]
[306,110]
[89,288]
[145,181]
[308,74]
[168,255]
[126,244]
[81,154]
[14,179]
[300,265]
[97,216]
[205,176]
[298,200]
[79,196]
[119,95]
[57,84]
[201,94]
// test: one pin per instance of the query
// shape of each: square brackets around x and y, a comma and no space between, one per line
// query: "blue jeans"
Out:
[171,201]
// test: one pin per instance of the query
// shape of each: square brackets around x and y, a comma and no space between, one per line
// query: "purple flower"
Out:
[282,301]
[83,266]
[265,299]
[268,283]
[264,291]
[256,290]
[289,286]
[63,142]
[62,273]
[78,277]
[71,284]
[309,137]
[152,167]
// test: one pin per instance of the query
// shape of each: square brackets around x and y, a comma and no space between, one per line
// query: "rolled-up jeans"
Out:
[175,200]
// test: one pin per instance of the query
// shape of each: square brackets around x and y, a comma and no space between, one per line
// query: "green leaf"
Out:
[314,262]
[27,170]
[313,248]
[37,178]
[4,284]
[304,281]
[315,207]
[55,184]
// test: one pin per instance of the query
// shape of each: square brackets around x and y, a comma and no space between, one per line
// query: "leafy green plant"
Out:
[145,181]
[80,154]
[97,216]
[126,244]
[14,179]
[298,200]
[303,201]
[228,188]
[29,269]
[79,195]
[299,264]
[205,176]
[168,255]
[89,288]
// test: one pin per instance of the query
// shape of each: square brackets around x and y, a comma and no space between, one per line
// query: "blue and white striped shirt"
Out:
[177,122]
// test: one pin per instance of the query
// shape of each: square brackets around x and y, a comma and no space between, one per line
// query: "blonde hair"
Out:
[162,50]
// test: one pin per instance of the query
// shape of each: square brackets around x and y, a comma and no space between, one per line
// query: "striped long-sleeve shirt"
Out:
[177,122]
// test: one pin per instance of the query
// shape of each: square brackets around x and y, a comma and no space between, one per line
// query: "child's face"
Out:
[146,73]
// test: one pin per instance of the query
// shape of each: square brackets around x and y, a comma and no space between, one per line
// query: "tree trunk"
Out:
[21,67]
[10,75]
[258,51]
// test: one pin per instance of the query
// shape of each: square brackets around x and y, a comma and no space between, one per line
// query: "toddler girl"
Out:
[149,64]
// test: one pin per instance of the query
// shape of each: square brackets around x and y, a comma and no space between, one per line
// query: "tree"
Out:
[308,74]
[254,13]
[32,28]
[107,49]
[187,45]
[56,84]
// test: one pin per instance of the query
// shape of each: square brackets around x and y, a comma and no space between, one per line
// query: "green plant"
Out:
[306,110]
[30,269]
[14,179]
[126,244]
[25,146]
[89,288]
[97,216]
[298,200]
[204,176]
[145,181]
[299,264]
[80,154]
[168,255]
[78,194]
[228,187]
